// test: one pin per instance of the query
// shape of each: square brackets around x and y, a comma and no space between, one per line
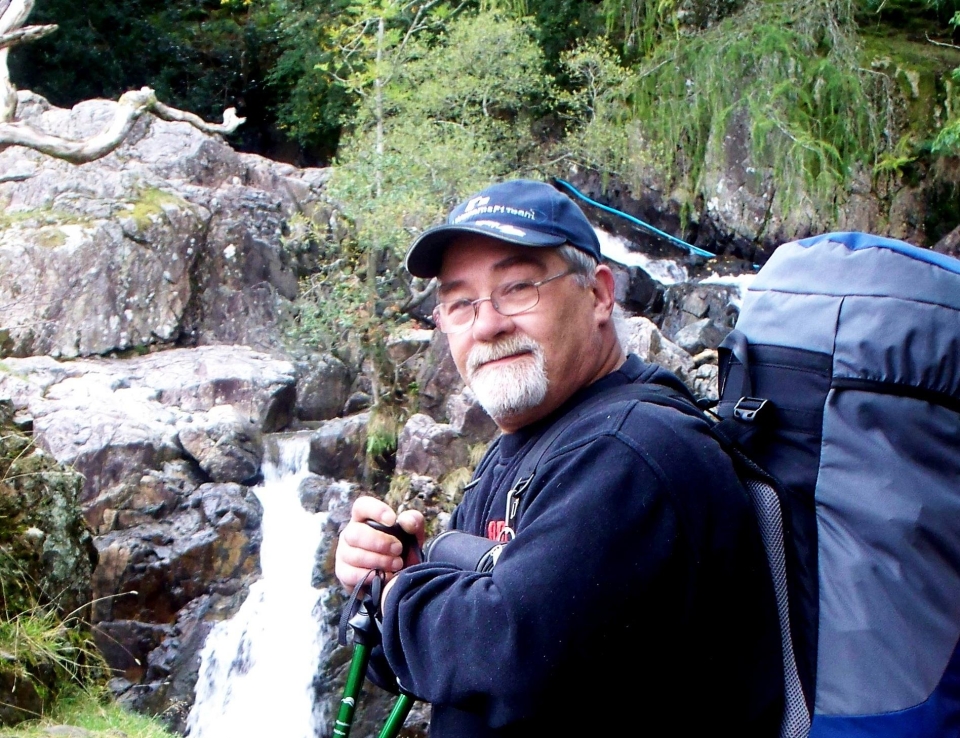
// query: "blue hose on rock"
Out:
[636,221]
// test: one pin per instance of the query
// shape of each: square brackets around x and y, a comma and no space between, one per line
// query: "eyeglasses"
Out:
[511,298]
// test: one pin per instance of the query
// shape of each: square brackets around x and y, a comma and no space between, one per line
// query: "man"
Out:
[635,590]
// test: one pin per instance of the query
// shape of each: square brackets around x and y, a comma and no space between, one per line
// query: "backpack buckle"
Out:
[748,408]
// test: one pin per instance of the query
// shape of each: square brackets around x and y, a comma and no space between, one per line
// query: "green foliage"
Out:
[941,9]
[383,430]
[191,52]
[557,25]
[37,640]
[333,299]
[149,205]
[596,107]
[93,710]
[310,107]
[44,572]
[789,71]
[455,117]
[947,141]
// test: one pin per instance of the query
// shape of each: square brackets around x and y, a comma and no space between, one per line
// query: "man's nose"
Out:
[489,323]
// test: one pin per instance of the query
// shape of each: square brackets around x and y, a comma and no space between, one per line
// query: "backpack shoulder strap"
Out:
[644,392]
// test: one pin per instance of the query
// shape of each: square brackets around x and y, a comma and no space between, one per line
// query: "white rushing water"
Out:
[665,271]
[257,669]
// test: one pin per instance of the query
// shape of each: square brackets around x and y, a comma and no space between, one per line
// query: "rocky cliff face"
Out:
[173,239]
[140,299]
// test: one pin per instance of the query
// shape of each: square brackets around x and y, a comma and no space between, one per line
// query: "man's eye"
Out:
[516,289]
[458,306]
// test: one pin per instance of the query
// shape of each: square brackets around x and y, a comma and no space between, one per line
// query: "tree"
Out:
[454,116]
[131,106]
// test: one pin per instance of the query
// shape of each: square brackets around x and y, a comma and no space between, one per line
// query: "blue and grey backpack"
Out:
[842,380]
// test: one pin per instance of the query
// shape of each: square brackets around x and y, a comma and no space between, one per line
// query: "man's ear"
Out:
[603,291]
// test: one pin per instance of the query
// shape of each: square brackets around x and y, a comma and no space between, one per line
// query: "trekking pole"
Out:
[401,708]
[365,634]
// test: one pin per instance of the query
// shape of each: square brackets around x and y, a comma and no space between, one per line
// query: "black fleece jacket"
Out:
[635,592]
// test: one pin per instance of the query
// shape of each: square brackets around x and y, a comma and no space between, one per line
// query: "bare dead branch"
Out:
[130,107]
[418,297]
[231,121]
[13,14]
[941,43]
[30,33]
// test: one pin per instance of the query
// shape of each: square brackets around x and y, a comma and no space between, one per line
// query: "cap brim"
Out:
[425,255]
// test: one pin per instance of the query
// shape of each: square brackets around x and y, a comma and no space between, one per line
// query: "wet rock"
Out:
[338,447]
[322,494]
[468,418]
[691,303]
[636,291]
[173,667]
[429,448]
[323,387]
[126,644]
[407,350]
[646,340]
[704,382]
[226,445]
[172,238]
[148,573]
[113,419]
[19,698]
[700,335]
[438,378]
[357,403]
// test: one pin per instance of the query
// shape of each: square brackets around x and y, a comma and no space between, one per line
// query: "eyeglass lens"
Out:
[508,299]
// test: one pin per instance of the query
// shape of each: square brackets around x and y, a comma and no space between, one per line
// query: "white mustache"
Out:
[483,353]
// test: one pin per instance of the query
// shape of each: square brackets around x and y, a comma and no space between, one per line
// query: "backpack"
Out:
[840,407]
[842,380]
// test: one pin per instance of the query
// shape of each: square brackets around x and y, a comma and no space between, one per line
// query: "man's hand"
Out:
[361,548]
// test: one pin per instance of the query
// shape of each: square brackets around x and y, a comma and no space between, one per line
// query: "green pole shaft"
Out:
[358,668]
[401,708]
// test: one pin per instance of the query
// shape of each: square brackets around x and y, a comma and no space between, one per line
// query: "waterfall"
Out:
[257,669]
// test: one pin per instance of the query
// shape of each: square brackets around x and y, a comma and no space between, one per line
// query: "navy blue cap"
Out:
[522,212]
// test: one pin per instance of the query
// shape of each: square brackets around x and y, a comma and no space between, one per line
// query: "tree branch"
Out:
[941,43]
[30,33]
[13,13]
[231,121]
[130,107]
[418,297]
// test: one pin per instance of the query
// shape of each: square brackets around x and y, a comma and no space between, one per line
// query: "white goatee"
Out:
[511,389]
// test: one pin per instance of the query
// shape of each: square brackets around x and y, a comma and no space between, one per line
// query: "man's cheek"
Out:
[460,360]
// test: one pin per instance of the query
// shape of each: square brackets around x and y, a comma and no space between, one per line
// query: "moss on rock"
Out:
[46,562]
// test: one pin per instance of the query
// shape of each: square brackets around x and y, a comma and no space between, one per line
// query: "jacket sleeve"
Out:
[598,544]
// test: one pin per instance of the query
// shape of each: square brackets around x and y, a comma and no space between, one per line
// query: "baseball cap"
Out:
[522,211]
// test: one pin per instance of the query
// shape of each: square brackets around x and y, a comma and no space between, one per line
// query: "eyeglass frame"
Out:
[476,303]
